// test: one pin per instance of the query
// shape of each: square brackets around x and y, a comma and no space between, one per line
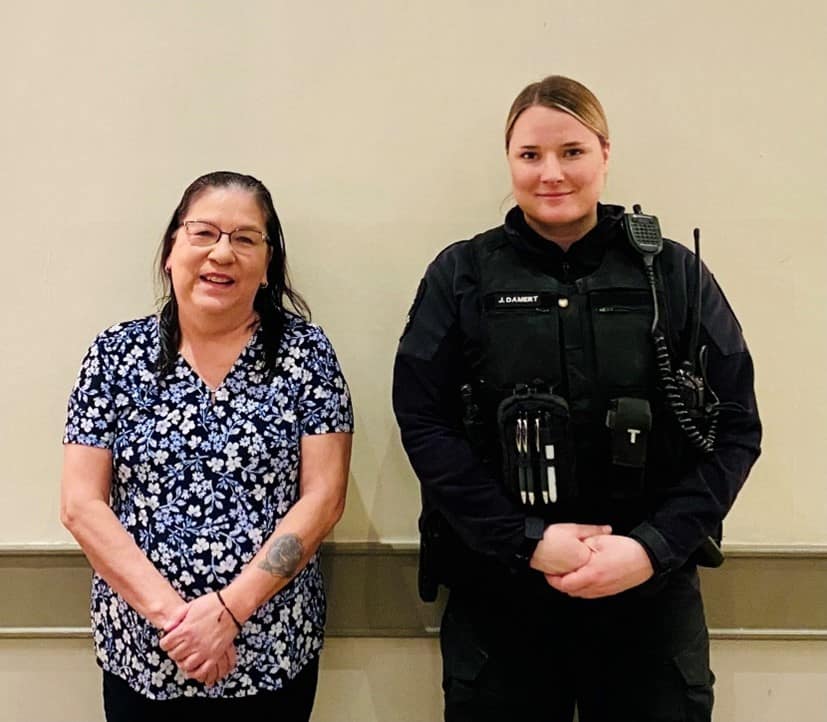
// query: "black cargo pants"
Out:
[642,656]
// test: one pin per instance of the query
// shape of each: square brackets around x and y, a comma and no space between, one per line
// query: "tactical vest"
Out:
[588,343]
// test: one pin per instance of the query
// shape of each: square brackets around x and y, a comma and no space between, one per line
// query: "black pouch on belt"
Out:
[537,449]
[630,421]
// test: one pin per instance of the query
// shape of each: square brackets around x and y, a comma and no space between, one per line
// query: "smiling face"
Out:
[215,280]
[558,169]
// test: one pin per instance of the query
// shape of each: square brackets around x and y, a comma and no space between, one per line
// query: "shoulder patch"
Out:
[719,320]
[420,293]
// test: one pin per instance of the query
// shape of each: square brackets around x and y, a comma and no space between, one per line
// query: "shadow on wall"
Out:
[383,500]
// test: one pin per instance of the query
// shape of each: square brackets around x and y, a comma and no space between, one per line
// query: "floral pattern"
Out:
[200,479]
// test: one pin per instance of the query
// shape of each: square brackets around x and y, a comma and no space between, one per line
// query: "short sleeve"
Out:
[324,401]
[91,418]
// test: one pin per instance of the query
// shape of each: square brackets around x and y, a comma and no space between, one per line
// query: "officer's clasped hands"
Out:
[616,563]
[564,547]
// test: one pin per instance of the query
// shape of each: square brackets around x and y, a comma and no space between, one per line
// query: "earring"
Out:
[263,285]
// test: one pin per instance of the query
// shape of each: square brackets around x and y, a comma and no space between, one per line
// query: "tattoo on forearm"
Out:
[283,556]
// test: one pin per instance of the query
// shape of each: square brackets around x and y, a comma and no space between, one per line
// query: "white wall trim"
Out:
[735,550]
[787,635]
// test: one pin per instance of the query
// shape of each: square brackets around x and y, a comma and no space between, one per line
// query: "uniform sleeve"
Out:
[428,374]
[693,509]
[324,405]
[91,417]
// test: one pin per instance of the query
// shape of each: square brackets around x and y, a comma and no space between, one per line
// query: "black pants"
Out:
[293,703]
[637,657]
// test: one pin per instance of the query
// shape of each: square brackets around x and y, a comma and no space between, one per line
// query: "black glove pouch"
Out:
[630,420]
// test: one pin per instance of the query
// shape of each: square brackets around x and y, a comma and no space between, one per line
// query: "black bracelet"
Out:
[224,604]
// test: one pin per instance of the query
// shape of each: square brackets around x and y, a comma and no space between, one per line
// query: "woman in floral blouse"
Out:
[205,459]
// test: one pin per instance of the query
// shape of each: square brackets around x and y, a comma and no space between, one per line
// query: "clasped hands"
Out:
[199,639]
[588,561]
[581,560]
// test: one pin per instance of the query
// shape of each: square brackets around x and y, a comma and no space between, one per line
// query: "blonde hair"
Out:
[561,93]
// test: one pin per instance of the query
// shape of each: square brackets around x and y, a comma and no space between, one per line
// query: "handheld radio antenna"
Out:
[696,329]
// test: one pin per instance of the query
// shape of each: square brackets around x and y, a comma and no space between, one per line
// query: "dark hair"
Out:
[269,302]
[560,93]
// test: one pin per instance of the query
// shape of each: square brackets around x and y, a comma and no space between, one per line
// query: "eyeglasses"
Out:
[243,240]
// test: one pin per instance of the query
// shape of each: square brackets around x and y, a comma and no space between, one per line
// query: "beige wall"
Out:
[377,125]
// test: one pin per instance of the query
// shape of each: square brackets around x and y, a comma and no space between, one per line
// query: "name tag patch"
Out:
[503,300]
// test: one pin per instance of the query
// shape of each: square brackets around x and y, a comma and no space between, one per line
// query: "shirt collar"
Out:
[583,256]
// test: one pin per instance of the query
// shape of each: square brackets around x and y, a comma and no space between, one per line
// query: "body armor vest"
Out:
[552,365]
[589,339]
[551,349]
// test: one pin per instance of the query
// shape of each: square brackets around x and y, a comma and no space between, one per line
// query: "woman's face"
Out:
[219,279]
[558,169]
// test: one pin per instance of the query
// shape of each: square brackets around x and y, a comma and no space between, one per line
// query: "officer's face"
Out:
[558,168]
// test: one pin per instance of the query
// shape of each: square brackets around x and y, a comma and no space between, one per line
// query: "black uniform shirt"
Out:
[441,338]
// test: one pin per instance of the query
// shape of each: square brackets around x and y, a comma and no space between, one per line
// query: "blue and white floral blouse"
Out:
[201,480]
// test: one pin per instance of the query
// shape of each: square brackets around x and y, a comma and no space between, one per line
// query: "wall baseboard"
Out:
[762,592]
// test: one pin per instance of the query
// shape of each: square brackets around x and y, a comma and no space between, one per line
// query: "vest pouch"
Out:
[537,448]
[623,346]
[522,338]
[630,421]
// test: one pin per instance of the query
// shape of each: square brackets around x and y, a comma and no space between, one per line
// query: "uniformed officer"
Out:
[576,397]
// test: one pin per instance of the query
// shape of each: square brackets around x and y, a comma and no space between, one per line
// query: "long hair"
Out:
[269,302]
